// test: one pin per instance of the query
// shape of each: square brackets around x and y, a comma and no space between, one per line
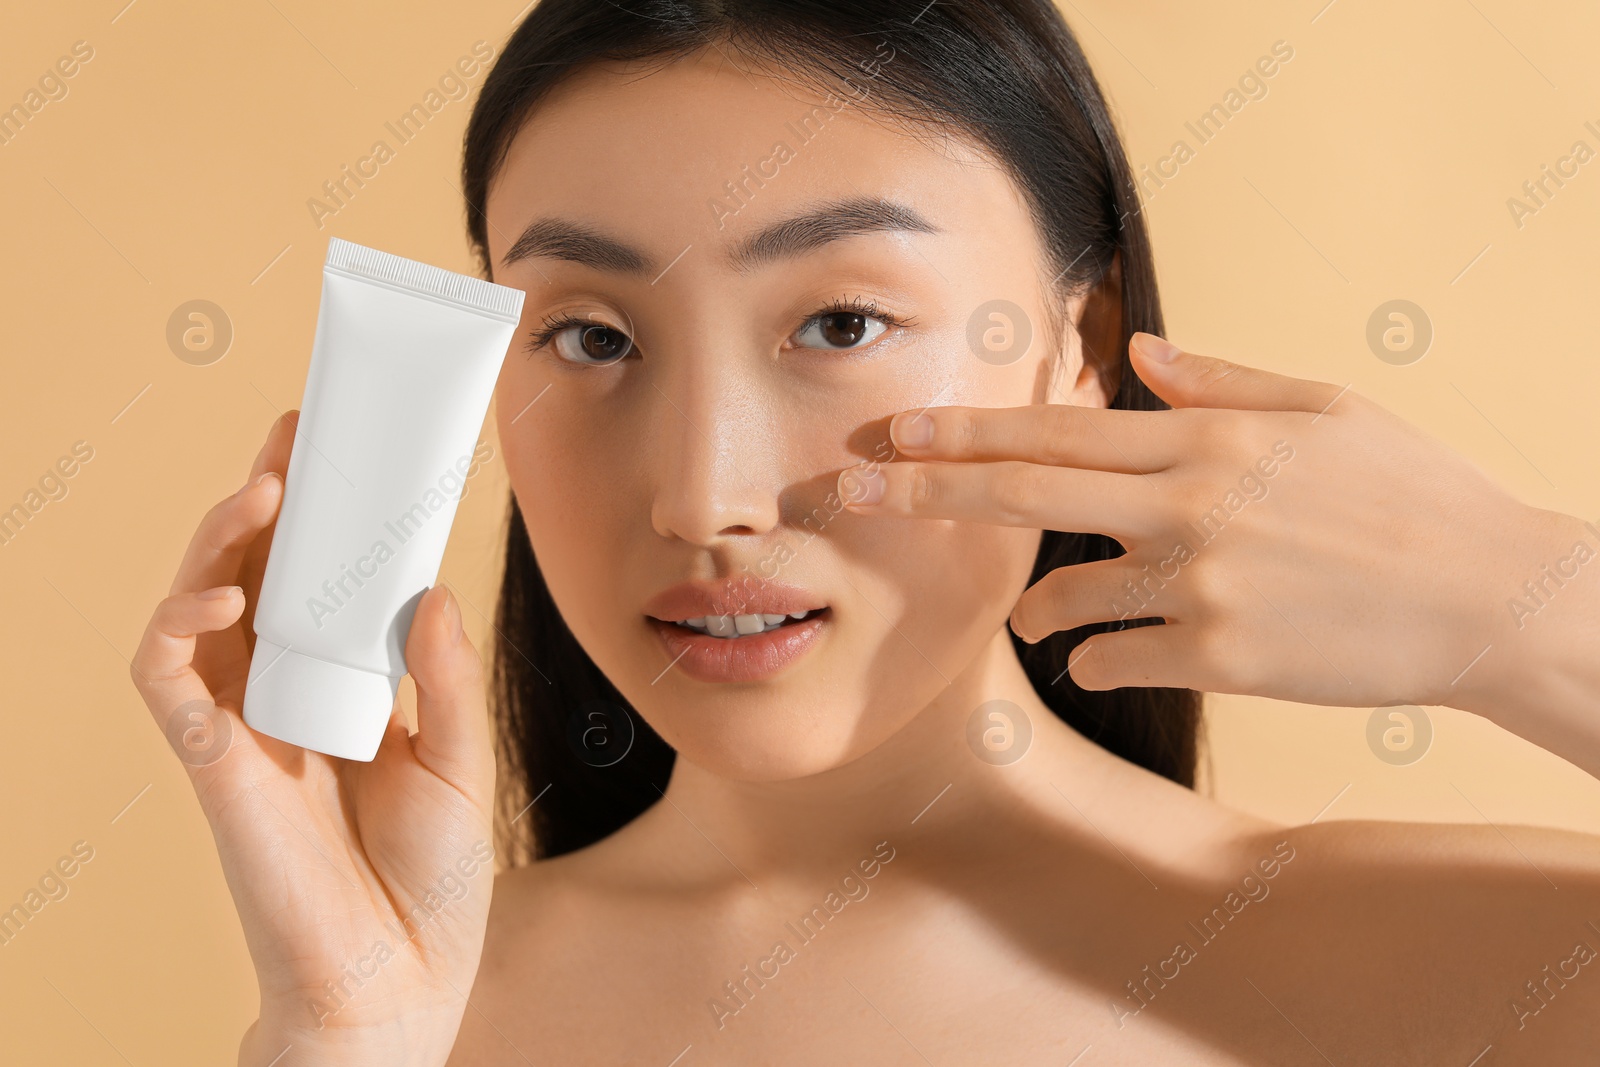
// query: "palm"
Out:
[332,859]
[363,888]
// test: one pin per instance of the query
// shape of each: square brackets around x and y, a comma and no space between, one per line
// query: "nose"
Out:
[714,464]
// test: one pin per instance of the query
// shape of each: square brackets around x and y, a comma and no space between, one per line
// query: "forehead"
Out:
[704,152]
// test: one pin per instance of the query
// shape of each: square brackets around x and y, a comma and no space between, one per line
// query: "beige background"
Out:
[179,166]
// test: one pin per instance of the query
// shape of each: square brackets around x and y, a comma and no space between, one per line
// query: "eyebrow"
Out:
[834,220]
[560,239]
[829,222]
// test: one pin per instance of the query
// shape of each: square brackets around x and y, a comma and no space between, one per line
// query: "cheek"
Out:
[941,579]
[916,599]
[575,522]
[923,599]
[932,591]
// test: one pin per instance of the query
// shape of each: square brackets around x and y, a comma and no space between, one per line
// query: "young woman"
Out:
[868,553]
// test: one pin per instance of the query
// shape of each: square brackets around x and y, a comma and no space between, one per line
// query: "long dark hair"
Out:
[1006,72]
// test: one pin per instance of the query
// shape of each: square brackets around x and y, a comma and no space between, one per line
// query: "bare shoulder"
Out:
[1507,852]
[549,903]
[574,939]
[1495,888]
[526,894]
[539,917]
[1486,935]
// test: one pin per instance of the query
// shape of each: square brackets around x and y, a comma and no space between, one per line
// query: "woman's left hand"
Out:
[1300,541]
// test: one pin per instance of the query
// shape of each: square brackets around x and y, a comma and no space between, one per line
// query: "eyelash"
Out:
[553,325]
[853,305]
[856,306]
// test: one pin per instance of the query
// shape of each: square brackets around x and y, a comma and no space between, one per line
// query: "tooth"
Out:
[773,620]
[796,614]
[720,625]
[747,624]
[695,622]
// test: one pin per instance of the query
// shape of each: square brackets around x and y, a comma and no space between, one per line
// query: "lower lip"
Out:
[739,659]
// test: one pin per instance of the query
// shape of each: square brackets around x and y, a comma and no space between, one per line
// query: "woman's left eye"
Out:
[844,327]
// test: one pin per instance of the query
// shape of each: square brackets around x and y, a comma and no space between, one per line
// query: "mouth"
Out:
[734,627]
[740,648]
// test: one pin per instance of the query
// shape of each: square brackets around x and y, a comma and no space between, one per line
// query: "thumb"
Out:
[452,738]
[1186,380]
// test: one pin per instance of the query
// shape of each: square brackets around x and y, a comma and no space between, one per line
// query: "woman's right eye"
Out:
[584,342]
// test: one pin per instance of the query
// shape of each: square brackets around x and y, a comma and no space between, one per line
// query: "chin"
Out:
[760,739]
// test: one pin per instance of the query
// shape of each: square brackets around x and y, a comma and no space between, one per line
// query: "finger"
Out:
[452,736]
[396,736]
[1106,590]
[163,666]
[1067,435]
[274,454]
[1186,380]
[1142,656]
[217,549]
[1009,493]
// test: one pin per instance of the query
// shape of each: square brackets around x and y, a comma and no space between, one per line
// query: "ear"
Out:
[1099,331]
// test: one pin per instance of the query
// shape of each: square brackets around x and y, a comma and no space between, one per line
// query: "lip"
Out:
[740,659]
[729,596]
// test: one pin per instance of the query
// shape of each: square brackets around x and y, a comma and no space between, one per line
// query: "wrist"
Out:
[416,1040]
[1538,667]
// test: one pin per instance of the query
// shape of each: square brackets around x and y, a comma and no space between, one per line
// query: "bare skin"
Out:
[1020,913]
[1020,904]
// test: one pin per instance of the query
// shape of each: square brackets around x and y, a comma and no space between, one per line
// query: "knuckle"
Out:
[1066,428]
[1040,608]
[1206,590]
[211,532]
[1212,374]
[1163,495]
[1055,596]
[215,515]
[1088,665]
[1190,426]
[146,677]
[965,432]
[1214,429]
[1017,489]
[921,489]
[1192,500]
[136,674]
[165,621]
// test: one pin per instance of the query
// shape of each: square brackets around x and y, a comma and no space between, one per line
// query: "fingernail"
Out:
[861,486]
[221,592]
[249,485]
[911,431]
[1156,348]
[452,614]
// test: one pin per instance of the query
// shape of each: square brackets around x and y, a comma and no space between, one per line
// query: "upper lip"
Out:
[748,596]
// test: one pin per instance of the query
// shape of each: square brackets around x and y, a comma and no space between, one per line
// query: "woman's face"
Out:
[712,221]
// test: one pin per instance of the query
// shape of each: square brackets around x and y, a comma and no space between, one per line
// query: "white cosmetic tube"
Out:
[402,369]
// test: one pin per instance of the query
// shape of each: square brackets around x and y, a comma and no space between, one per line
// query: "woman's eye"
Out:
[592,344]
[840,329]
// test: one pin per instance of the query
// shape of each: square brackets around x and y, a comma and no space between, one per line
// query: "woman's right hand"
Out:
[363,888]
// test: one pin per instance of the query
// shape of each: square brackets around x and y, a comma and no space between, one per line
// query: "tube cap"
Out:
[326,707]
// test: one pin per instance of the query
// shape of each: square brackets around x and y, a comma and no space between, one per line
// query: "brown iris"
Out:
[604,343]
[843,328]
